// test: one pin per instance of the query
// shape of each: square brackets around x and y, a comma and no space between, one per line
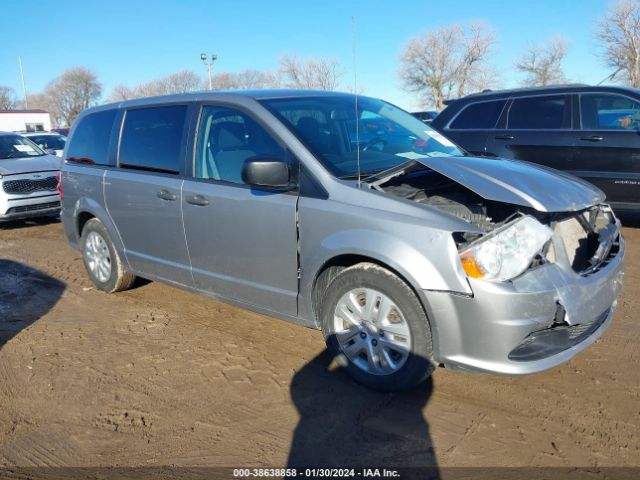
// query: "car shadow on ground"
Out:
[30,222]
[343,424]
[26,295]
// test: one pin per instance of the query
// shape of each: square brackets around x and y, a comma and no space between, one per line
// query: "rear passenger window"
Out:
[226,139]
[479,115]
[539,113]
[90,141]
[609,112]
[152,139]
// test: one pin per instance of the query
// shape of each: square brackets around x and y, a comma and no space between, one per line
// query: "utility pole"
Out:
[24,89]
[209,65]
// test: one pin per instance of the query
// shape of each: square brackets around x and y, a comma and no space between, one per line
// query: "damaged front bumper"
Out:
[536,322]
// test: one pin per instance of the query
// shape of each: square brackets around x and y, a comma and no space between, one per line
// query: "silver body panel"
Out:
[518,183]
[264,250]
[254,260]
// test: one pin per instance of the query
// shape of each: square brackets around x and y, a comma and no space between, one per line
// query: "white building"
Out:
[25,120]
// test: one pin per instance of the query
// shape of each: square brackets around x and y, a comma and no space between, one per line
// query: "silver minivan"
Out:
[350,215]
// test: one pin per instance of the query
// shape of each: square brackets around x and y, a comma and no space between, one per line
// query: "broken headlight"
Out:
[506,252]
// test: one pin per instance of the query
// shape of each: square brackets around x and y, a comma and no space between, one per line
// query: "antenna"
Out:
[355,91]
[24,90]
[610,77]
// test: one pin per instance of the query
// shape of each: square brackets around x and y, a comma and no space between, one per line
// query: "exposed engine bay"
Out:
[582,239]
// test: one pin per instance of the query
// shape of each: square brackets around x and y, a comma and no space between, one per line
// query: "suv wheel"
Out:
[101,259]
[376,325]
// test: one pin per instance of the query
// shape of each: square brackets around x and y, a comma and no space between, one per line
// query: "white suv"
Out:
[28,179]
[51,142]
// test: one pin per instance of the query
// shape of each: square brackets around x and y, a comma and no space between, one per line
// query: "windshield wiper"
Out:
[354,176]
[385,175]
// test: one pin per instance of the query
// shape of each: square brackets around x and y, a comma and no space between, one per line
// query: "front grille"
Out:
[556,339]
[30,186]
[32,208]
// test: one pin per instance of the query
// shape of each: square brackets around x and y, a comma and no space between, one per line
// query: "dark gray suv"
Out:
[590,132]
[406,252]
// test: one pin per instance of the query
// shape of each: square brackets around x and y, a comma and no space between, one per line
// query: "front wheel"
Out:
[374,322]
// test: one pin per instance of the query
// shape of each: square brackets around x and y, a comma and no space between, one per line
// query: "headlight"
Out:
[506,252]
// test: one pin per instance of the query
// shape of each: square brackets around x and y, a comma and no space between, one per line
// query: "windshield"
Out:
[52,142]
[386,136]
[16,146]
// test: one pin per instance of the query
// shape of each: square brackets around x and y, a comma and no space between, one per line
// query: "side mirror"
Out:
[266,172]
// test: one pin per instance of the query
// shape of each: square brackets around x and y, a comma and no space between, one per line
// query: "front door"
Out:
[538,130]
[607,152]
[143,194]
[242,240]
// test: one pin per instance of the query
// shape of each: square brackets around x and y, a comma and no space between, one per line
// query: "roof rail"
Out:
[488,91]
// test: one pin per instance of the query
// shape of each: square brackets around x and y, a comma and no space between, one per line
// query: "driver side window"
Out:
[609,112]
[226,139]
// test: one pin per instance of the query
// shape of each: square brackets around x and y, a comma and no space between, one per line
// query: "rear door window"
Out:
[540,113]
[90,141]
[609,112]
[483,115]
[152,139]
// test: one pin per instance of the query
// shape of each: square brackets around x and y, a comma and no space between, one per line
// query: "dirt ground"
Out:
[157,376]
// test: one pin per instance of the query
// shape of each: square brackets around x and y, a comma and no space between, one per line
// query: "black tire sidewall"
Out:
[95,225]
[420,364]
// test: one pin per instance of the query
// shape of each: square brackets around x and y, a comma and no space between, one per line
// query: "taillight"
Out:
[59,186]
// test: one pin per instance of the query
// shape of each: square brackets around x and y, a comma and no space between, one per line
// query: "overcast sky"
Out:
[132,41]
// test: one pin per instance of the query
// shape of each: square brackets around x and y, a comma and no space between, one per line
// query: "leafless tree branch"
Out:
[619,33]
[448,62]
[542,65]
[310,74]
[8,100]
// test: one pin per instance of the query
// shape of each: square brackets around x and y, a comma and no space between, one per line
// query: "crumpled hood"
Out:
[30,164]
[519,183]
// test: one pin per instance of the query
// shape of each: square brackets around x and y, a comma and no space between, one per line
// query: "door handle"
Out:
[504,137]
[166,195]
[198,200]
[592,138]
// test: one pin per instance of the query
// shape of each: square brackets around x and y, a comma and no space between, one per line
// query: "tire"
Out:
[384,351]
[97,248]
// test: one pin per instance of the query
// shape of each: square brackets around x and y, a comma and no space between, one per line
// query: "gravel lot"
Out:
[157,376]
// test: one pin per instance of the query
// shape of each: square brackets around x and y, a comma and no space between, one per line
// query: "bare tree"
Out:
[180,82]
[448,62]
[542,65]
[121,93]
[8,98]
[313,73]
[40,100]
[246,79]
[619,33]
[70,93]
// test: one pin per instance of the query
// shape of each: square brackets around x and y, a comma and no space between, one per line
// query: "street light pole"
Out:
[209,65]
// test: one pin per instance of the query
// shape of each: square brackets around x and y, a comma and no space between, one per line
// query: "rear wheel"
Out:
[101,260]
[376,325]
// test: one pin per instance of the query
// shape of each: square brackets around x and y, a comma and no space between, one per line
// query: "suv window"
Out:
[609,112]
[152,138]
[539,113]
[91,139]
[479,115]
[228,137]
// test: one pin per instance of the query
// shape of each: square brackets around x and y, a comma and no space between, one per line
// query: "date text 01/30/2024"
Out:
[315,473]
